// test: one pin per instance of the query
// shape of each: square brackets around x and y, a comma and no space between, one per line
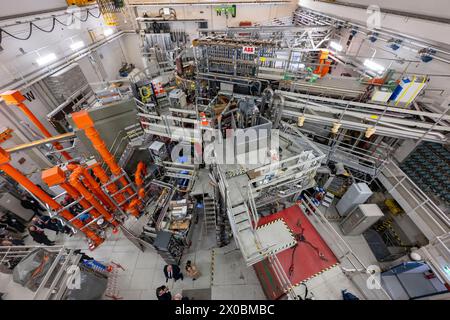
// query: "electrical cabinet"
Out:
[168,247]
[358,193]
[361,219]
[177,99]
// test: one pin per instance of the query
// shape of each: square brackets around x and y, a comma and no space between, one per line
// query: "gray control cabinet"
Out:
[358,193]
[361,219]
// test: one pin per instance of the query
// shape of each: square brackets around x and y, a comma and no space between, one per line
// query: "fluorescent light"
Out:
[77,45]
[374,66]
[301,66]
[108,32]
[336,46]
[46,59]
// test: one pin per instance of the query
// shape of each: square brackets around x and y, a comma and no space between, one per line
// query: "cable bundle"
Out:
[54,21]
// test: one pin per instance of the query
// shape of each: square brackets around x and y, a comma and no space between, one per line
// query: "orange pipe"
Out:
[104,179]
[43,196]
[93,185]
[139,178]
[76,195]
[133,207]
[41,127]
[76,183]
[83,121]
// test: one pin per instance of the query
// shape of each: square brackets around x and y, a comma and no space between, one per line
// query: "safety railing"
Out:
[428,217]
[357,271]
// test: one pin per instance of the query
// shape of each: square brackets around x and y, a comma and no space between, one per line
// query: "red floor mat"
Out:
[307,262]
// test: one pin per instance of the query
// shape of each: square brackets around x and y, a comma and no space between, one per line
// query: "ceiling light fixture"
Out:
[108,32]
[374,66]
[77,45]
[43,60]
[336,46]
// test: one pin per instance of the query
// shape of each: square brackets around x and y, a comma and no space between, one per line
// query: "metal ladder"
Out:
[209,210]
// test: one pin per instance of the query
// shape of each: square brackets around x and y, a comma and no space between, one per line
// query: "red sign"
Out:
[248,50]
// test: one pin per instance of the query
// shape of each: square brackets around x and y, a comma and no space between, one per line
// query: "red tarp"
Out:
[307,262]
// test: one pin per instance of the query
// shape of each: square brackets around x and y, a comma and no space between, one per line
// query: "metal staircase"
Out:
[209,209]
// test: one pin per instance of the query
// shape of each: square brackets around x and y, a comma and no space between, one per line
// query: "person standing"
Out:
[30,203]
[192,271]
[39,236]
[172,271]
[163,293]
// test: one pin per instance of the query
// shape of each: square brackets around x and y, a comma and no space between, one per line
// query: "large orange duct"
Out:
[84,121]
[15,174]
[93,185]
[55,176]
[77,184]
[14,97]
[104,179]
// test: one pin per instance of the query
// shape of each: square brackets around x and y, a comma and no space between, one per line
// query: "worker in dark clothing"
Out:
[39,236]
[29,203]
[12,242]
[45,222]
[163,293]
[172,271]
[12,223]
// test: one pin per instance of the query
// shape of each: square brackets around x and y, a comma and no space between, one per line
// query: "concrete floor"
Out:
[223,270]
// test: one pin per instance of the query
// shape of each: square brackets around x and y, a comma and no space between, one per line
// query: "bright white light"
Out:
[301,66]
[77,45]
[46,59]
[374,66]
[336,46]
[108,32]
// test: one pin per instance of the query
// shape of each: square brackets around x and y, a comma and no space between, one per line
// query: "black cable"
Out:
[54,20]
[299,237]
[43,30]
[66,25]
[79,18]
[96,17]
[18,38]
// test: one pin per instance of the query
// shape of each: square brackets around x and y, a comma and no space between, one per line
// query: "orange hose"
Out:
[41,127]
[76,195]
[133,207]
[44,197]
[139,179]
[93,185]
[76,183]
[104,179]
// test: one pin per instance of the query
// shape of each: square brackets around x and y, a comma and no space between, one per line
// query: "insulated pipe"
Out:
[16,98]
[55,176]
[43,196]
[93,185]
[84,121]
[74,180]
[104,179]
[139,178]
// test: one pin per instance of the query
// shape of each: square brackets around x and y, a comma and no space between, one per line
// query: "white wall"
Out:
[415,27]
[244,12]
[9,8]
[437,8]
